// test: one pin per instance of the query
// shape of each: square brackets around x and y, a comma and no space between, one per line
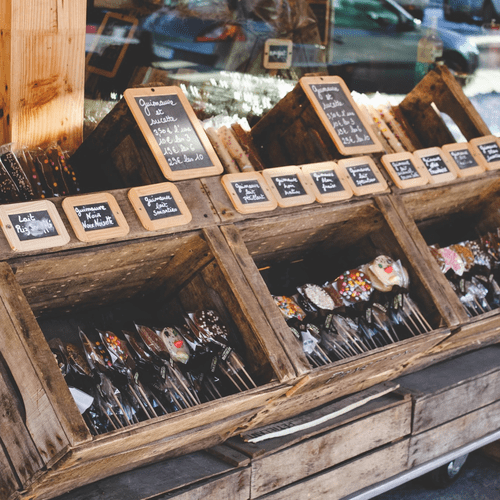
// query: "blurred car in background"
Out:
[415,7]
[471,10]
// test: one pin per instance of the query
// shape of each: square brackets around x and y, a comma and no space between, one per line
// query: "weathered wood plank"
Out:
[51,414]
[229,455]
[329,449]
[8,481]
[454,434]
[351,476]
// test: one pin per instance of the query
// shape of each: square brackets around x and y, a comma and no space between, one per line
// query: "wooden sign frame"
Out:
[344,194]
[480,141]
[215,167]
[465,146]
[307,82]
[135,194]
[282,43]
[229,181]
[302,199]
[423,175]
[452,173]
[70,205]
[359,161]
[61,238]
[133,21]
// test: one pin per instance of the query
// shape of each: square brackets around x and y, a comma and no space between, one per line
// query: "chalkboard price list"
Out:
[341,114]
[160,205]
[463,158]
[289,186]
[490,151]
[33,225]
[362,175]
[405,169]
[249,191]
[327,181]
[96,216]
[174,132]
[435,164]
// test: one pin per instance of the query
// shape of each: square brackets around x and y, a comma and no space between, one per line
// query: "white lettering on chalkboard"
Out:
[327,181]
[435,165]
[249,191]
[405,169]
[33,225]
[490,151]
[463,159]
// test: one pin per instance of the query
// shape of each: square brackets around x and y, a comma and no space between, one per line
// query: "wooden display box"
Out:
[47,442]
[325,243]
[444,215]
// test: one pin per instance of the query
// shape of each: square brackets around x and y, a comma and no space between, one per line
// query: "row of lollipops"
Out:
[472,268]
[360,310]
[149,372]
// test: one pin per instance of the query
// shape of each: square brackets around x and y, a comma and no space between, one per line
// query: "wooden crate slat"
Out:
[8,480]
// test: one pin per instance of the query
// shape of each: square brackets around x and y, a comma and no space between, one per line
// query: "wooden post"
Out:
[42,63]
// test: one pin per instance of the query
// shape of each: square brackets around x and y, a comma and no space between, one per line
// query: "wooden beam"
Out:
[42,62]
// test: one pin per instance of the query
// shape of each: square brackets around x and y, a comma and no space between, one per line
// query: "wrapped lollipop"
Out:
[353,286]
[289,308]
[385,273]
[466,255]
[176,346]
[317,297]
[481,258]
[210,326]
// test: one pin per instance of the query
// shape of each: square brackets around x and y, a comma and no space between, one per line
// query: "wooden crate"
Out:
[280,462]
[447,214]
[332,239]
[456,402]
[45,296]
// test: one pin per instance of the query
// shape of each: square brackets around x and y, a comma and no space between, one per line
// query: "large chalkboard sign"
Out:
[159,206]
[173,132]
[277,54]
[489,148]
[327,183]
[464,159]
[289,186]
[346,124]
[110,43]
[405,169]
[363,175]
[95,217]
[249,192]
[33,225]
[438,165]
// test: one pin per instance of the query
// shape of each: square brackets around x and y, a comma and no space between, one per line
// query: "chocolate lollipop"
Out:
[317,296]
[354,286]
[177,347]
[211,327]
[289,308]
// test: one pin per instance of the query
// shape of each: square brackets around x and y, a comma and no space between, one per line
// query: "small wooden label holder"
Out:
[173,132]
[341,117]
[33,225]
[363,175]
[488,147]
[327,182]
[95,217]
[439,164]
[467,161]
[277,53]
[159,206]
[405,170]
[289,186]
[249,192]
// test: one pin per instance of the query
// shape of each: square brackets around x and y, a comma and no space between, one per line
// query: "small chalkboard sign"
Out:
[289,186]
[95,217]
[110,43]
[341,117]
[438,164]
[159,206]
[489,148]
[327,182]
[466,161]
[363,175]
[249,192]
[277,54]
[33,225]
[405,169]
[173,132]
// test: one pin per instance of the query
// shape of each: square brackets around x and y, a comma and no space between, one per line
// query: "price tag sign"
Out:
[95,217]
[327,182]
[466,161]
[405,169]
[33,225]
[278,54]
[289,186]
[173,132]
[488,148]
[363,175]
[341,117]
[438,164]
[249,192]
[159,206]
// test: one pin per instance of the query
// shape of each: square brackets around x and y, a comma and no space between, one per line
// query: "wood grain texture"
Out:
[45,84]
[329,449]
[8,480]
[454,434]
[352,476]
